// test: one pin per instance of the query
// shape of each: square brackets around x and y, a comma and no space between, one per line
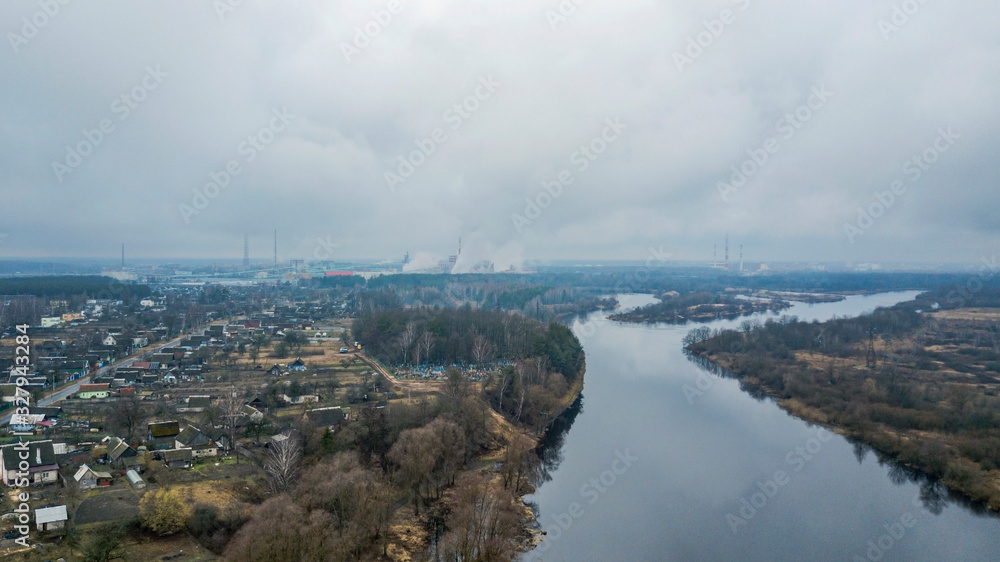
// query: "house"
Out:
[257,404]
[162,434]
[297,365]
[51,518]
[326,417]
[109,340]
[209,449]
[75,368]
[252,413]
[135,480]
[276,370]
[119,452]
[196,404]
[88,391]
[41,460]
[304,399]
[87,478]
[189,437]
[178,458]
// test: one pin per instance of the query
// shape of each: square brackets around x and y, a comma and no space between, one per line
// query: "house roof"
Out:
[178,455]
[164,429]
[190,435]
[297,363]
[117,448]
[41,453]
[326,416]
[94,387]
[81,472]
[199,401]
[51,514]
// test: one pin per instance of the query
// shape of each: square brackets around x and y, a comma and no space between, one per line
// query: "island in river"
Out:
[699,306]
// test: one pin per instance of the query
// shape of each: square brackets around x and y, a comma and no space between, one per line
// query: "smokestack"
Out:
[123,256]
[727,250]
[276,249]
[246,251]
[741,258]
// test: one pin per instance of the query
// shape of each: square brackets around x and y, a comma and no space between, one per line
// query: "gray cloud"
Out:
[324,174]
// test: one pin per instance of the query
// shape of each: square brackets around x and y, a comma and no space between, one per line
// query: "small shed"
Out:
[51,518]
[135,480]
[88,478]
[178,458]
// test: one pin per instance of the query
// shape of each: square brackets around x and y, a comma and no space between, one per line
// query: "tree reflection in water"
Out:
[549,451]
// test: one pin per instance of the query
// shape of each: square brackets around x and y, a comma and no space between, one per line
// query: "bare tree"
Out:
[127,416]
[427,344]
[481,350]
[484,523]
[519,461]
[283,459]
[231,412]
[452,439]
[415,454]
[406,340]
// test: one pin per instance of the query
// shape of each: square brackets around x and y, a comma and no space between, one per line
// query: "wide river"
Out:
[666,461]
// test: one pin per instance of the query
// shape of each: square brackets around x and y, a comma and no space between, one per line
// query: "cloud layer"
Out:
[473,107]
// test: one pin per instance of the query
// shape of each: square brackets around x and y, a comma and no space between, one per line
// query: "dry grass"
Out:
[978,314]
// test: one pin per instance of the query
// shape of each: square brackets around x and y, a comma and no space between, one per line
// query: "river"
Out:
[663,460]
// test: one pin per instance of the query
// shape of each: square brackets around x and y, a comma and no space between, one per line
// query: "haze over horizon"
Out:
[823,107]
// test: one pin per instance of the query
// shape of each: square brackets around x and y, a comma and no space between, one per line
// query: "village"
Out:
[197,414]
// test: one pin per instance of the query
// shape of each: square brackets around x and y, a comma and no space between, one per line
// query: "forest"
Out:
[65,287]
[538,363]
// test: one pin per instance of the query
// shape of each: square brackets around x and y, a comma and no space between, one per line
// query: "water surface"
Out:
[660,457]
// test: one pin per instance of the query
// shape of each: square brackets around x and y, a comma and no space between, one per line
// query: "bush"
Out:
[162,512]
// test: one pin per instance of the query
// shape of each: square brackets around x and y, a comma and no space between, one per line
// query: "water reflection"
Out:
[550,449]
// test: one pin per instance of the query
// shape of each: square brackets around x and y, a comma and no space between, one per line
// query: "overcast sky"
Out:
[332,107]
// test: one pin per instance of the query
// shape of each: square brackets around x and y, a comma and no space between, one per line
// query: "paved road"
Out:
[75,387]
